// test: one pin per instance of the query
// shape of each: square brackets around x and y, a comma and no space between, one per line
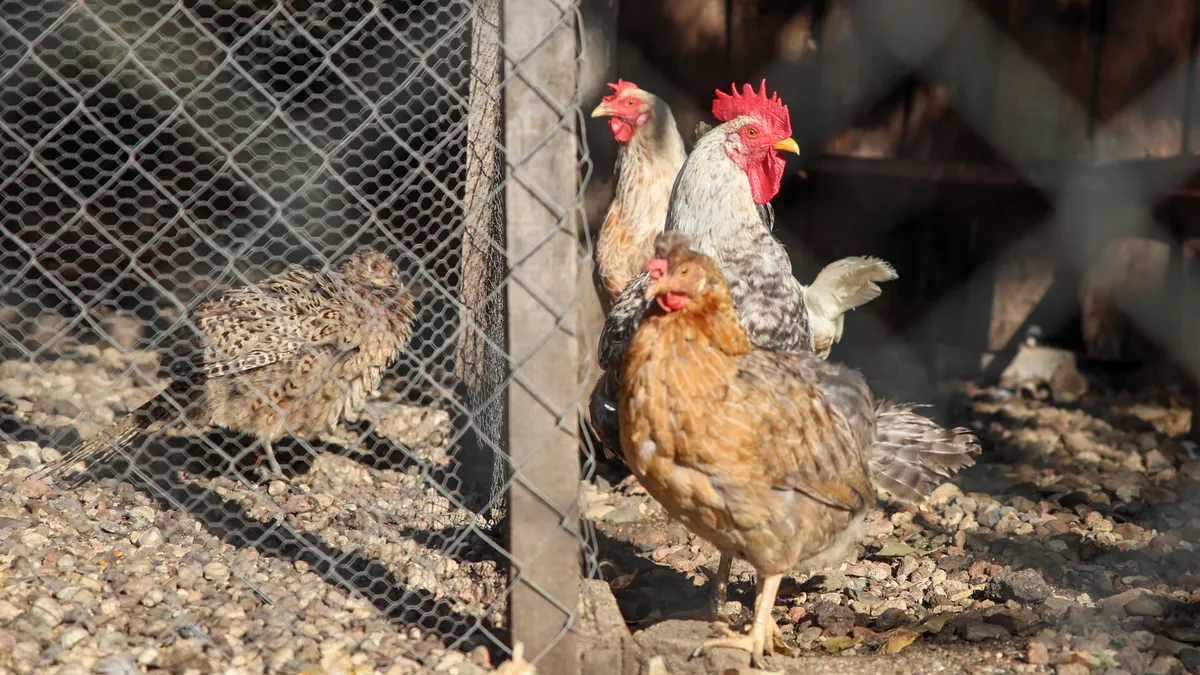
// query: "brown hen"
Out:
[766,454]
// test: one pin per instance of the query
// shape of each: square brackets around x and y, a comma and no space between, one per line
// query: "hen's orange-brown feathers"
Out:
[764,454]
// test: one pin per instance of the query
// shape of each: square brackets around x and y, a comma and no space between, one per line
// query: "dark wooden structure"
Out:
[1021,162]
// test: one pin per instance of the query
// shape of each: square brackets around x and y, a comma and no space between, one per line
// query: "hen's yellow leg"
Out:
[764,635]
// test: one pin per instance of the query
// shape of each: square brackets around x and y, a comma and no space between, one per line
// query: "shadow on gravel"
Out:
[219,453]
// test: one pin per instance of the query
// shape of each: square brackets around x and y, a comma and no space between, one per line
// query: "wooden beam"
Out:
[480,363]
[1168,177]
[544,300]
[1189,310]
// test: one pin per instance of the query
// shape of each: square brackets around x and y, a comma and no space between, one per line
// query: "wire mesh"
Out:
[156,155]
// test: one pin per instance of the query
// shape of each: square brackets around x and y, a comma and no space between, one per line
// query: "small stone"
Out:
[1164,664]
[150,538]
[1056,610]
[1025,586]
[978,631]
[1156,461]
[1144,605]
[1190,656]
[944,493]
[47,612]
[650,540]
[8,611]
[73,636]
[1072,669]
[1036,653]
[990,517]
[276,488]
[110,527]
[623,515]
[891,618]
[216,571]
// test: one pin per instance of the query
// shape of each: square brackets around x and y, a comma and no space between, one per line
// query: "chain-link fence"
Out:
[156,154]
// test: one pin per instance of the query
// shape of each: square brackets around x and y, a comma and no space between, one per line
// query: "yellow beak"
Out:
[654,290]
[787,145]
[602,110]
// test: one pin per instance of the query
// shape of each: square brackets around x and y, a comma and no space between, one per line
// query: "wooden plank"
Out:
[1189,310]
[543,251]
[862,100]
[685,39]
[480,363]
[1041,112]
[1129,270]
[1142,80]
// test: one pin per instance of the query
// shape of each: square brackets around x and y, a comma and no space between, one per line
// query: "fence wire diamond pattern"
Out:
[153,155]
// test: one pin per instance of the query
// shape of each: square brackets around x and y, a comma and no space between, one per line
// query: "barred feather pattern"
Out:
[289,356]
[912,453]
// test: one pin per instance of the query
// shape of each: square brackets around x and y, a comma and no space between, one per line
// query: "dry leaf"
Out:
[899,642]
[936,623]
[837,644]
[623,581]
[894,549]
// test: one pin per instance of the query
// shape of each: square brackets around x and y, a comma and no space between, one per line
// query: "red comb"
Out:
[656,267]
[619,90]
[771,110]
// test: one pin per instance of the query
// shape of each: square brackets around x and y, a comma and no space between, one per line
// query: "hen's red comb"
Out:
[770,111]
[656,267]
[619,90]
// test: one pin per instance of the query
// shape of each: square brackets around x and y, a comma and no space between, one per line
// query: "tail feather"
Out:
[104,446]
[849,283]
[602,415]
[912,453]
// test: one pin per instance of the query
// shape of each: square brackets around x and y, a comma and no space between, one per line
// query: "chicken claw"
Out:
[755,641]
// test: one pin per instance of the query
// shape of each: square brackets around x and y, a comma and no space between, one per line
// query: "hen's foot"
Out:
[754,642]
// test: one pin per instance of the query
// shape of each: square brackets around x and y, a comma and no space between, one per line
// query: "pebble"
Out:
[8,611]
[623,515]
[216,571]
[977,631]
[149,539]
[1037,654]
[47,611]
[1144,605]
[1026,585]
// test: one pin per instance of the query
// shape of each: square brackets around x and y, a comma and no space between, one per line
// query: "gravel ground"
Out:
[203,571]
[1069,548]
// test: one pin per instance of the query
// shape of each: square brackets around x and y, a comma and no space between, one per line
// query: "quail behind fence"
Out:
[287,357]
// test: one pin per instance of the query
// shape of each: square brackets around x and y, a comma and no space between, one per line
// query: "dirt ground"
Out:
[1068,548]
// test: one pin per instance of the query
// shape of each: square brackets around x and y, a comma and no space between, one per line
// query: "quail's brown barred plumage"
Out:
[288,357]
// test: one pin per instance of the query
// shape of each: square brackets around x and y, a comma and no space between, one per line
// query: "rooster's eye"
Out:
[630,103]
[751,132]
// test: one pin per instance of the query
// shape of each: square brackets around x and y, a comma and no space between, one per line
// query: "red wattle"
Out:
[621,130]
[766,176]
[672,300]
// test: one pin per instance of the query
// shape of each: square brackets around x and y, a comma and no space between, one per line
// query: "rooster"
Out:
[650,154]
[768,454]
[722,199]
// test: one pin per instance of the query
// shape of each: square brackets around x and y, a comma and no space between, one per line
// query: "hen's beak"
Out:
[655,289]
[602,110]
[788,145]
